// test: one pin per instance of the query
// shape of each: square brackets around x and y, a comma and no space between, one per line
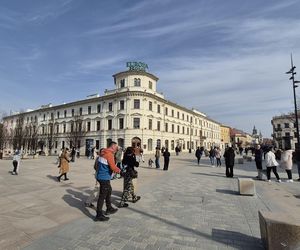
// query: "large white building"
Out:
[133,113]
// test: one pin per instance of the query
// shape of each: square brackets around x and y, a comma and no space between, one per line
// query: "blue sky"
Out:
[224,58]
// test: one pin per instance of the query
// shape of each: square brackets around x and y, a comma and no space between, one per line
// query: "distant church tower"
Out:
[257,138]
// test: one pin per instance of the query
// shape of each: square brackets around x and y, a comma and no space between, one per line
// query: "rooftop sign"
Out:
[137,66]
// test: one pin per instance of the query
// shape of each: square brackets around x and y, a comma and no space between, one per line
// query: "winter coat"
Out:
[287,160]
[270,160]
[106,165]
[198,153]
[258,155]
[64,163]
[229,156]
[130,162]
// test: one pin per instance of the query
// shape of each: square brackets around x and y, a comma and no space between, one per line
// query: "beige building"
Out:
[225,136]
[284,131]
[133,113]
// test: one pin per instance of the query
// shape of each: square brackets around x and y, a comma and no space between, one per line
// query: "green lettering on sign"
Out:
[137,66]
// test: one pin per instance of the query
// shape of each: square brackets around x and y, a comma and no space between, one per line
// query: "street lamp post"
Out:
[293,73]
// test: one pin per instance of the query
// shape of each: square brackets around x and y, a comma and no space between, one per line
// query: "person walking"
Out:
[198,154]
[106,165]
[16,163]
[258,161]
[287,162]
[229,156]
[129,162]
[157,156]
[218,157]
[212,155]
[166,156]
[177,150]
[64,167]
[271,164]
[73,153]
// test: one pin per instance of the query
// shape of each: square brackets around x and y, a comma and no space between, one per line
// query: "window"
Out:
[89,110]
[121,123]
[137,82]
[44,117]
[122,104]
[286,125]
[183,129]
[158,125]
[72,112]
[43,130]
[150,124]
[166,111]
[57,129]
[80,111]
[150,85]
[178,129]
[57,114]
[177,114]
[182,116]
[35,118]
[98,125]
[65,113]
[166,127]
[150,106]
[97,144]
[110,106]
[278,125]
[172,112]
[72,127]
[287,134]
[52,116]
[136,104]
[79,126]
[122,83]
[98,108]
[109,124]
[158,108]
[136,122]
[172,128]
[64,128]
[88,126]
[188,131]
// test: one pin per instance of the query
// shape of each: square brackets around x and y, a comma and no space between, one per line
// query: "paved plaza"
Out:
[187,207]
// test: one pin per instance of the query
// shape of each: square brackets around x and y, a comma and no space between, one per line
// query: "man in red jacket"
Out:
[106,166]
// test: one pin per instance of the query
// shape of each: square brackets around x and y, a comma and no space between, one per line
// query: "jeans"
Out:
[212,160]
[157,162]
[104,194]
[219,163]
[274,168]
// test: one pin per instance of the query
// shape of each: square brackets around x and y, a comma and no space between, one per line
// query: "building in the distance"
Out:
[225,136]
[133,113]
[284,131]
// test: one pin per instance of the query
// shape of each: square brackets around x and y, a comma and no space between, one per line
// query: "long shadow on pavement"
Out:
[227,191]
[77,199]
[235,236]
[239,240]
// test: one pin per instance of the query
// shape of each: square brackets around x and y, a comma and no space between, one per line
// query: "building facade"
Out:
[284,131]
[133,113]
[225,136]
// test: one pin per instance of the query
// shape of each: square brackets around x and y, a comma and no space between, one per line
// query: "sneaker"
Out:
[101,218]
[279,181]
[268,180]
[91,205]
[136,199]
[66,179]
[111,211]
[290,180]
[123,205]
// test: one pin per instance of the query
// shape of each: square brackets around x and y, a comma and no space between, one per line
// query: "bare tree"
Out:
[19,133]
[77,131]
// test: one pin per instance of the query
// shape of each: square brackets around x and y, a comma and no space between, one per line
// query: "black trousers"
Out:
[166,163]
[15,164]
[198,159]
[258,164]
[274,168]
[229,170]
[289,173]
[105,194]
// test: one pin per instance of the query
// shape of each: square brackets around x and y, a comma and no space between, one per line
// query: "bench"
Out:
[279,230]
[246,186]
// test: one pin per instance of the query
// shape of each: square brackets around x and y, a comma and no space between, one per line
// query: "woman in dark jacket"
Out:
[166,156]
[229,161]
[129,162]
